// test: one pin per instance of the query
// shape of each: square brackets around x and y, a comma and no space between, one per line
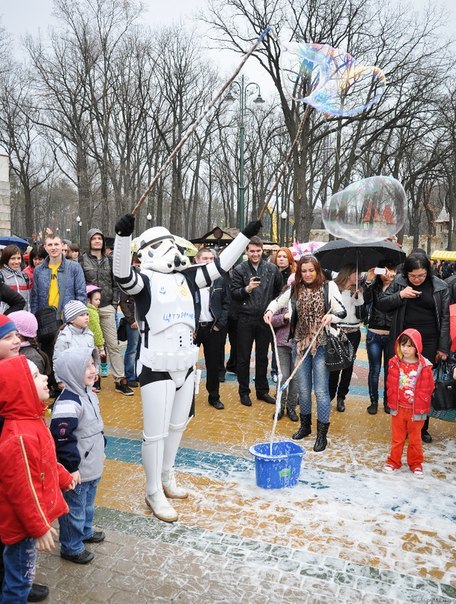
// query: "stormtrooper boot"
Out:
[172,491]
[161,507]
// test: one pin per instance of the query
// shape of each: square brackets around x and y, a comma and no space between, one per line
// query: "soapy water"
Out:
[368,210]
[329,79]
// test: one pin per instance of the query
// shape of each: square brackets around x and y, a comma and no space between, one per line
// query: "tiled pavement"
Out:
[345,533]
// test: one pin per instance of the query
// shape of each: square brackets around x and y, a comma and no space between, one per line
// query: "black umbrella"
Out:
[334,254]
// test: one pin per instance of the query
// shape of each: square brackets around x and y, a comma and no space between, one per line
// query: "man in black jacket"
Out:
[97,267]
[215,303]
[254,284]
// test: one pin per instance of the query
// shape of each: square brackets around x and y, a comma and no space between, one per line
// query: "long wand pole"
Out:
[287,159]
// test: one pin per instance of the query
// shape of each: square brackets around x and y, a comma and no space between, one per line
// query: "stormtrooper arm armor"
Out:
[213,270]
[129,280]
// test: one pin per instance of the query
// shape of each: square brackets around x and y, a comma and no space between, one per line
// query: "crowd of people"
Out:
[59,328]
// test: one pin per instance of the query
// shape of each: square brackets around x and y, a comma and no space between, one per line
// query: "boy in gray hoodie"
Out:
[77,428]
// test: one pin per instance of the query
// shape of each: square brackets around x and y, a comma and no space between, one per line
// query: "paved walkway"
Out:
[346,533]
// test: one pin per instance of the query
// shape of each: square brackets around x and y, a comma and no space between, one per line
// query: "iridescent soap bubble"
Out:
[368,210]
[329,79]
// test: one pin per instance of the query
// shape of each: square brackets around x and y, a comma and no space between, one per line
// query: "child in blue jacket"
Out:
[77,428]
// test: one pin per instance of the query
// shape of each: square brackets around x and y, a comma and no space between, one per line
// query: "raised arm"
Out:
[212,271]
[129,280]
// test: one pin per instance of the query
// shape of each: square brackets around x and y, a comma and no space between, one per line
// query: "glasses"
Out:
[417,277]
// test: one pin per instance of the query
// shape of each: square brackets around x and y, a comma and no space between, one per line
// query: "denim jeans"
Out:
[77,524]
[313,373]
[376,346]
[19,560]
[131,353]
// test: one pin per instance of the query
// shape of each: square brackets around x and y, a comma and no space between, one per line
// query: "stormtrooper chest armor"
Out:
[168,345]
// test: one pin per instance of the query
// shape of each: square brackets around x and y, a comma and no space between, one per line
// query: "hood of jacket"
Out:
[71,365]
[415,336]
[90,234]
[18,395]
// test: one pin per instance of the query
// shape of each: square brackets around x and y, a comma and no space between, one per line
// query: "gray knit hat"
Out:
[73,309]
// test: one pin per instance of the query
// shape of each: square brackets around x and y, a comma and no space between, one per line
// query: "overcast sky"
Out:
[28,16]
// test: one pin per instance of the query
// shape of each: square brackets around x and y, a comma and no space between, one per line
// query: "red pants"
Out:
[403,425]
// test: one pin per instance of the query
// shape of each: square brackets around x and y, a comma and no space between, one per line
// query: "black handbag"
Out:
[122,330]
[48,322]
[444,395]
[339,351]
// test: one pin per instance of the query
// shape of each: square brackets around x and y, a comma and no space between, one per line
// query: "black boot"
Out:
[340,404]
[322,431]
[304,429]
[386,408]
[291,412]
[373,408]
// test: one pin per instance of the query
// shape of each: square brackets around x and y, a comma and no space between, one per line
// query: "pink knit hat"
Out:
[92,288]
[26,323]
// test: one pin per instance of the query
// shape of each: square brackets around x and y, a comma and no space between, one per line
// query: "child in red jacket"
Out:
[30,477]
[409,386]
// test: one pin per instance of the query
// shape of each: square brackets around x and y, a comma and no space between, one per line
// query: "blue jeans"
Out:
[77,524]
[19,560]
[313,372]
[131,353]
[376,346]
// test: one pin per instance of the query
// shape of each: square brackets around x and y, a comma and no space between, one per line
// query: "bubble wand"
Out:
[287,159]
[191,129]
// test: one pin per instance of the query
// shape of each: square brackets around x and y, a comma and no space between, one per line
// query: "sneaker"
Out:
[122,387]
[418,472]
[97,537]
[389,469]
[83,558]
[132,383]
[38,593]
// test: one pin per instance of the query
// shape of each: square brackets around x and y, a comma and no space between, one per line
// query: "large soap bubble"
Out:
[367,210]
[329,79]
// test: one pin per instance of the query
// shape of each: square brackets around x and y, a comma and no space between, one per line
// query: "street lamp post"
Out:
[242,93]
[284,217]
[79,221]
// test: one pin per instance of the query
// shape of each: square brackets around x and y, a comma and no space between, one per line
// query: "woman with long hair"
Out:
[417,299]
[353,301]
[378,331]
[284,260]
[11,267]
[315,304]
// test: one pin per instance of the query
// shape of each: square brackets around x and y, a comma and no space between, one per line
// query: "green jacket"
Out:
[95,326]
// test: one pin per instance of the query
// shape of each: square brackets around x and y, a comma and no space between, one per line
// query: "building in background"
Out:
[5,199]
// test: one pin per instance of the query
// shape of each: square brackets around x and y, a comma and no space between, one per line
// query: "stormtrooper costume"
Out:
[167,302]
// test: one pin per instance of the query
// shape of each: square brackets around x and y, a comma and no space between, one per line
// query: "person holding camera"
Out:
[417,299]
[378,332]
[254,284]
[352,299]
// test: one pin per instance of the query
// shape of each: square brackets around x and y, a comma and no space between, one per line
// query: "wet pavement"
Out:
[346,533]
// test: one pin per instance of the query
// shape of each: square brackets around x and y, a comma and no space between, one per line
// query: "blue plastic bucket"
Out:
[281,468]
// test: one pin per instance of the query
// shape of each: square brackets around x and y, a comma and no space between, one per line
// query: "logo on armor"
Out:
[162,290]
[183,291]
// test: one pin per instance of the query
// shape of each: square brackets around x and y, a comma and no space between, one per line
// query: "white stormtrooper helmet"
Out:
[158,251]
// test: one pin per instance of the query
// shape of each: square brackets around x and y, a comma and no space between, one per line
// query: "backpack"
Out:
[48,322]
